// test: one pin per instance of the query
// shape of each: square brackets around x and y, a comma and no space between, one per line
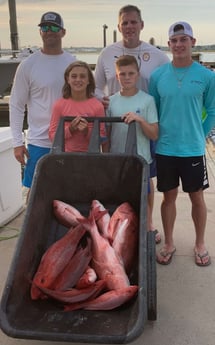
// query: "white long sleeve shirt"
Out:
[148,57]
[38,83]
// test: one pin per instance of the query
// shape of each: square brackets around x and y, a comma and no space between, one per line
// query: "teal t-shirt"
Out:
[142,104]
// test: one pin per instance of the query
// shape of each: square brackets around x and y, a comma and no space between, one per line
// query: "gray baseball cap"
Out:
[52,18]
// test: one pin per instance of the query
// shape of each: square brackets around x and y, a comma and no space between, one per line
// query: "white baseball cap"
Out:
[180,28]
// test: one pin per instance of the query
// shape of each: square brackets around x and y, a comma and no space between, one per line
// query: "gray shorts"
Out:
[192,172]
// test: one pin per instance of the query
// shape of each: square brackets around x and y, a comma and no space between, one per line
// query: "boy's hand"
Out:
[129,117]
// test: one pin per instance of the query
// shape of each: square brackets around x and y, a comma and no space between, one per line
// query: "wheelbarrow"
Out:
[77,179]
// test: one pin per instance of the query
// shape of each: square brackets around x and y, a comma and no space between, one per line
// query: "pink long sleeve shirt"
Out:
[77,141]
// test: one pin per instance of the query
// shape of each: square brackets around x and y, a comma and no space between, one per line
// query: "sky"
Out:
[84,20]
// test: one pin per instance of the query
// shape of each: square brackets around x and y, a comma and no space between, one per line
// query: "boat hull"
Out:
[7,72]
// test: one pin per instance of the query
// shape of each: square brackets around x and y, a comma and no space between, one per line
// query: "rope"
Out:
[3,238]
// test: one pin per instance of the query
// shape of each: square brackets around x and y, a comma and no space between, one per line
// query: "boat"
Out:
[9,61]
[7,71]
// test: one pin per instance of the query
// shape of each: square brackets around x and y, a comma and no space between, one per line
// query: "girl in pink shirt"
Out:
[78,100]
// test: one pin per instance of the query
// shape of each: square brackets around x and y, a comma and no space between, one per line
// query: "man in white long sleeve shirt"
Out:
[130,25]
[149,57]
[37,84]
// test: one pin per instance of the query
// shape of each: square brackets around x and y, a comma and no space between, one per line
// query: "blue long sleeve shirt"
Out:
[180,95]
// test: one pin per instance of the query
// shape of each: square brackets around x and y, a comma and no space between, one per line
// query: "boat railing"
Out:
[9,52]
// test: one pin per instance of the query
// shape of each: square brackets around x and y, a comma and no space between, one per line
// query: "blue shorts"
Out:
[152,166]
[149,189]
[35,153]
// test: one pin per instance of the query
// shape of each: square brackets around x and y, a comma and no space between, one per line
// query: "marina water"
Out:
[91,58]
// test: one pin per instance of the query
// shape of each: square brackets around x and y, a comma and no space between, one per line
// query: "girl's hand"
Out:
[79,124]
[83,125]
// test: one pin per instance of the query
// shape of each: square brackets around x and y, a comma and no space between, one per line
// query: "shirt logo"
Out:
[146,57]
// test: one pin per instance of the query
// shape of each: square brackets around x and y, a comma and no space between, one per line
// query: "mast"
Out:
[13,26]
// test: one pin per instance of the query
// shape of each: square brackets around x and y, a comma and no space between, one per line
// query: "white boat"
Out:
[9,62]
[11,201]
[7,71]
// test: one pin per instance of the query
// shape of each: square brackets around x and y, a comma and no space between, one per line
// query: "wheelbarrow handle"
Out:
[94,145]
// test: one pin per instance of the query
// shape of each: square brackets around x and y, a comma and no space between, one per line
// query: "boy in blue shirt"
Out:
[132,104]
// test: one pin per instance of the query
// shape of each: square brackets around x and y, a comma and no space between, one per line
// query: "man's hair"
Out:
[129,8]
[126,60]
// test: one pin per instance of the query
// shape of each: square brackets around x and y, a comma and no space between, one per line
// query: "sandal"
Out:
[163,253]
[201,256]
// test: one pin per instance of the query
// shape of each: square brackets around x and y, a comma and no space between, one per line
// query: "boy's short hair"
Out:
[126,60]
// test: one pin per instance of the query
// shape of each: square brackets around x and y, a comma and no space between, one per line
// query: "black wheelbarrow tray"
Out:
[78,178]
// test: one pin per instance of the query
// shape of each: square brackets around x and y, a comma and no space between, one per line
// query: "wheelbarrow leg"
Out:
[151,277]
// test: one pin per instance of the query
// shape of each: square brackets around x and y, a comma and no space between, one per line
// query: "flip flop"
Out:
[156,232]
[164,254]
[201,256]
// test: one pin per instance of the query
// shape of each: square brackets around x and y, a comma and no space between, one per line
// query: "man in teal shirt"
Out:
[181,90]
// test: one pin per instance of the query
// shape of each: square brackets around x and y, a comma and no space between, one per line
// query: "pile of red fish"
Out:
[88,268]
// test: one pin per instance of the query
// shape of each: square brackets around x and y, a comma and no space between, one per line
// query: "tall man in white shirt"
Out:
[130,25]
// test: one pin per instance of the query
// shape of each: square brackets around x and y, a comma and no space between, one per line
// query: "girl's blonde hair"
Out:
[90,87]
